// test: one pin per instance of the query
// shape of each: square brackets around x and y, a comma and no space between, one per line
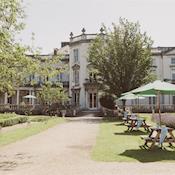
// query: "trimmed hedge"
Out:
[10,121]
[7,115]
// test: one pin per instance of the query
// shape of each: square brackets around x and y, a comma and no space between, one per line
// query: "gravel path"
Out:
[65,150]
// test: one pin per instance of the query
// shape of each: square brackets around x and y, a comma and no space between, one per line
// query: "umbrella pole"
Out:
[158,103]
[124,104]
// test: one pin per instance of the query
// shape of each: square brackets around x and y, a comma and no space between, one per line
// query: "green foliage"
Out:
[107,101]
[47,69]
[121,57]
[7,115]
[50,94]
[10,121]
[14,63]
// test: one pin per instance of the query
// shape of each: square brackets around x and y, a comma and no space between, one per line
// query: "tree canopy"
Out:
[46,70]
[50,95]
[13,61]
[45,74]
[121,57]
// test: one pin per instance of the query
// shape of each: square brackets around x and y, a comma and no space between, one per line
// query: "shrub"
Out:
[107,101]
[13,121]
[7,115]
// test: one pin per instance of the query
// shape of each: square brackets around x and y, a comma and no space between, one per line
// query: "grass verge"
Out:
[29,130]
[114,143]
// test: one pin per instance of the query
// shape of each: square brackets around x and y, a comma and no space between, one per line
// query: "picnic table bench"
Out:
[127,117]
[154,137]
[133,124]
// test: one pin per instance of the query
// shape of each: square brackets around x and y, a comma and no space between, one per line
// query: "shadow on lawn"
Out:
[132,133]
[119,124]
[150,155]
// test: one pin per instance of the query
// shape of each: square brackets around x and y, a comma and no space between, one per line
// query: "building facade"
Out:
[163,66]
[83,87]
[80,82]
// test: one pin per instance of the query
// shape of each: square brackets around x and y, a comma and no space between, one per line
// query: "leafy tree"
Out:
[16,67]
[47,69]
[45,75]
[13,61]
[50,95]
[121,57]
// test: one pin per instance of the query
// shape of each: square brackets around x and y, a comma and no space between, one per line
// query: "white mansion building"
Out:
[79,82]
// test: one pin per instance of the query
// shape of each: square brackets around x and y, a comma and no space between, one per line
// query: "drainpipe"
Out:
[162,78]
[162,74]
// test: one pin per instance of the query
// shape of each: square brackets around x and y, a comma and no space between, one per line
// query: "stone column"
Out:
[85,98]
[5,98]
[33,100]
[30,100]
[17,97]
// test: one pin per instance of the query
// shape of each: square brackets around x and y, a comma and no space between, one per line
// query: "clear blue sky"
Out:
[53,20]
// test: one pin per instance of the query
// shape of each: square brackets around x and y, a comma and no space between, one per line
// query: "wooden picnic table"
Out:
[127,119]
[154,137]
[132,124]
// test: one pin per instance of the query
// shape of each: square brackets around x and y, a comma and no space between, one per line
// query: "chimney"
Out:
[55,52]
[64,44]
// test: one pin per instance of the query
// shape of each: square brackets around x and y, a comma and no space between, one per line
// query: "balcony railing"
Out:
[83,37]
[40,84]
[90,82]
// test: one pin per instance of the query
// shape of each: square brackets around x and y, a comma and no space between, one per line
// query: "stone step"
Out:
[86,112]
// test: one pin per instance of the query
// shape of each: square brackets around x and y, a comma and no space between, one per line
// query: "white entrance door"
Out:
[93,101]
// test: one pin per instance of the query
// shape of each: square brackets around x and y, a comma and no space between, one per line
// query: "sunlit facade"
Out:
[81,84]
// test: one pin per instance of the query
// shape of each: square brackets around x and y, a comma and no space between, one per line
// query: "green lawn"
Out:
[114,143]
[29,130]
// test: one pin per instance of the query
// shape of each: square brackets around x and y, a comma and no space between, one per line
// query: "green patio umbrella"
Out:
[130,96]
[156,88]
